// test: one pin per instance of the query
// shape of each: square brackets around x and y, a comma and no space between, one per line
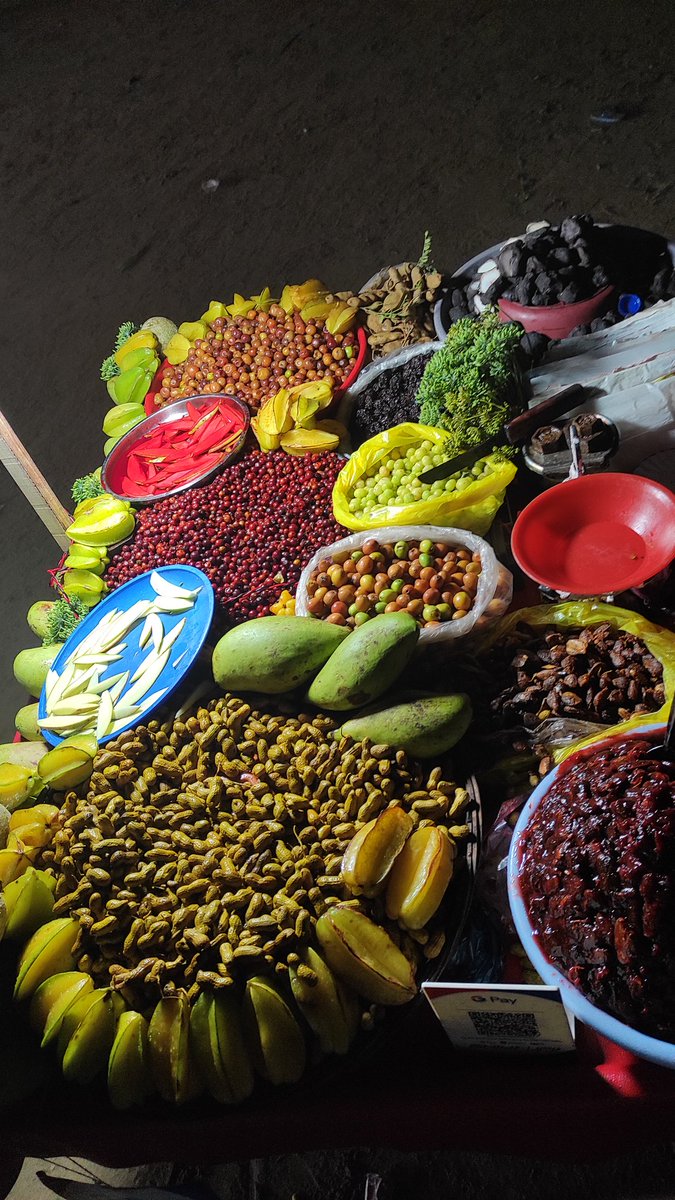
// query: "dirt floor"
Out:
[337,136]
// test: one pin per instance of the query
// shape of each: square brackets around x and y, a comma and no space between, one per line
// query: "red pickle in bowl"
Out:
[597,876]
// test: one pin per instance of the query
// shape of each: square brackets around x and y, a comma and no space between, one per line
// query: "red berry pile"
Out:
[251,530]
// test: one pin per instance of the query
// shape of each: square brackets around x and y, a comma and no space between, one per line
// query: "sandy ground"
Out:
[337,136]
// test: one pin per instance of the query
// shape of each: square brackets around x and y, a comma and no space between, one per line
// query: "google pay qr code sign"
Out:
[502,1018]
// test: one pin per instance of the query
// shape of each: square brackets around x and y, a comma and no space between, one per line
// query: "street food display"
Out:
[240,808]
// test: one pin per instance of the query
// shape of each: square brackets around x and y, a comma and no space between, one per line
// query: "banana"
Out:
[420,877]
[364,956]
[169,1043]
[331,1011]
[30,901]
[89,1046]
[48,952]
[272,1032]
[53,999]
[217,1043]
[129,1079]
[372,851]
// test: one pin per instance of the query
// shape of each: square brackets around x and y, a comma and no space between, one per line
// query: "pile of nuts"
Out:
[206,848]
[433,581]
[597,674]
[250,530]
[256,354]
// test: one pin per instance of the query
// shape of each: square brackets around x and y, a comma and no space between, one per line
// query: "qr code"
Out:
[503,1024]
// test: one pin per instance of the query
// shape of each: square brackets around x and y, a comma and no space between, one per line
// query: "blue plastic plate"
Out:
[183,652]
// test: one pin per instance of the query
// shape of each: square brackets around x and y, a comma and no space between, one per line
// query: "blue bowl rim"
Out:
[640,1044]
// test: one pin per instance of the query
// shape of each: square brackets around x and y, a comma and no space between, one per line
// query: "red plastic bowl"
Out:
[362,351]
[596,535]
[556,320]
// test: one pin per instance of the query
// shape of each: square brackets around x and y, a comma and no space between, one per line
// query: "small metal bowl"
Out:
[113,468]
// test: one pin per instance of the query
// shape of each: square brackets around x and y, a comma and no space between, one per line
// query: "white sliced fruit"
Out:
[106,714]
[73,705]
[150,701]
[179,659]
[118,687]
[106,685]
[59,724]
[145,681]
[57,689]
[173,604]
[163,587]
[174,633]
[157,631]
[81,680]
[146,633]
[50,681]
[132,711]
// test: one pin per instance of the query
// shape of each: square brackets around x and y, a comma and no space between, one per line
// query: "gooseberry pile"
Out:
[255,355]
[251,530]
[396,480]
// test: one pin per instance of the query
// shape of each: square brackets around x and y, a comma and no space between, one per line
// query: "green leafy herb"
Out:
[125,331]
[86,487]
[109,368]
[467,386]
[63,619]
[424,261]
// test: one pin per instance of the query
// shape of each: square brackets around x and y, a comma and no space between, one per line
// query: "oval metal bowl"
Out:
[113,467]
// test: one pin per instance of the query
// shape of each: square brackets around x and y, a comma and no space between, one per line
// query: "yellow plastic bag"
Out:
[475,508]
[580,613]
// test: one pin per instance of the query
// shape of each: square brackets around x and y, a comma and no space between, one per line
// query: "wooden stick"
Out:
[31,481]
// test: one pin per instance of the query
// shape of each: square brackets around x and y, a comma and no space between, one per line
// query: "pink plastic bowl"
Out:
[556,320]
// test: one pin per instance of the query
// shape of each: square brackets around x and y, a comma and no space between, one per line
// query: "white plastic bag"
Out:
[495,583]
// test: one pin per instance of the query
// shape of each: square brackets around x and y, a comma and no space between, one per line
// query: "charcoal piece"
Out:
[509,260]
[568,272]
[523,291]
[457,312]
[534,265]
[564,257]
[458,298]
[579,331]
[538,301]
[583,253]
[510,294]
[659,288]
[575,227]
[597,324]
[569,294]
[544,282]
[600,277]
[534,345]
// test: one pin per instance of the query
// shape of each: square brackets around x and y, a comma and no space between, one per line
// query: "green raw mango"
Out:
[426,727]
[31,666]
[120,420]
[25,722]
[367,663]
[274,654]
[38,617]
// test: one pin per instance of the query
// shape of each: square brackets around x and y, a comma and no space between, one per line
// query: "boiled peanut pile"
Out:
[596,674]
[207,848]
